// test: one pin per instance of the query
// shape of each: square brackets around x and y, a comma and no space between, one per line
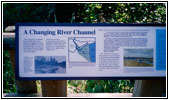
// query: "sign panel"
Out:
[90,51]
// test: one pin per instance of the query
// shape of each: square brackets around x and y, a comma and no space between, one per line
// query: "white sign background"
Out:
[81,69]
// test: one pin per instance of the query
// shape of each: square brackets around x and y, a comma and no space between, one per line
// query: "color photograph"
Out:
[138,57]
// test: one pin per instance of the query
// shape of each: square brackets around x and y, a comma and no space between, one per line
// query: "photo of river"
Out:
[138,57]
[50,64]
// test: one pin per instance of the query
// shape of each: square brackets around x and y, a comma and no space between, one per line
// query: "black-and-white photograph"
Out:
[50,64]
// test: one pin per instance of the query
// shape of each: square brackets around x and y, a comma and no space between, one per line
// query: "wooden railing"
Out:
[50,88]
[58,88]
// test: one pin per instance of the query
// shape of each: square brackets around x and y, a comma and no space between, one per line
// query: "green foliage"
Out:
[122,12]
[8,75]
[100,86]
[83,13]
[20,12]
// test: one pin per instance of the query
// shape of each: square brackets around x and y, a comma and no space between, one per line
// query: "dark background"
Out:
[79,13]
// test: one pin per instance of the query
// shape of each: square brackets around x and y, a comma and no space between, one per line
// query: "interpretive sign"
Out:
[90,51]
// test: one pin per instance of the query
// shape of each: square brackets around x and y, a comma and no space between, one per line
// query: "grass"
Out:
[130,63]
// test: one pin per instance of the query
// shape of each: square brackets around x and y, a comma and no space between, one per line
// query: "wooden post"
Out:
[54,88]
[149,88]
[21,86]
[50,88]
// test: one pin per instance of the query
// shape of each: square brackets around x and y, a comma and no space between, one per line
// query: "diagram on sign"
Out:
[82,49]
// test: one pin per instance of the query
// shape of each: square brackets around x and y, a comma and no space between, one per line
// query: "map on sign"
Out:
[82,49]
